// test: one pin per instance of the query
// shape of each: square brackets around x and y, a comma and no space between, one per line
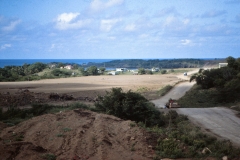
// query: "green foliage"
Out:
[25,72]
[83,71]
[129,106]
[163,71]
[141,71]
[149,72]
[165,90]
[102,70]
[169,148]
[92,70]
[181,139]
[60,72]
[157,63]
[226,80]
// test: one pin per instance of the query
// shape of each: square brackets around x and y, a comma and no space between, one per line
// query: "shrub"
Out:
[129,106]
[164,71]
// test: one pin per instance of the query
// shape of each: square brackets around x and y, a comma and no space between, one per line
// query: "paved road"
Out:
[177,92]
[219,121]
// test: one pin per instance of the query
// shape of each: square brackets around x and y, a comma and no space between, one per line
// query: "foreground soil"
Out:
[76,135]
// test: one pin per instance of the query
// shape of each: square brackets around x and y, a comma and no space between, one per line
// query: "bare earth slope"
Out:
[77,134]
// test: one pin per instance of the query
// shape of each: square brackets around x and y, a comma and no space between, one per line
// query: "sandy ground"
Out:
[92,83]
[76,135]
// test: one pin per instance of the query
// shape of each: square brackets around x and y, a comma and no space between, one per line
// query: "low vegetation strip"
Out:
[165,90]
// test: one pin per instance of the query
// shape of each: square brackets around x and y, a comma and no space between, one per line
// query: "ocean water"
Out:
[20,62]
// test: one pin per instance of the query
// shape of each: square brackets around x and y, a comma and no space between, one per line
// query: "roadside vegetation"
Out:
[164,90]
[215,87]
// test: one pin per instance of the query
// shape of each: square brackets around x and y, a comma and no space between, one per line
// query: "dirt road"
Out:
[221,122]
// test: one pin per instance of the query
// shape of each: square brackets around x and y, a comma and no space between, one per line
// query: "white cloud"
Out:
[143,36]
[107,24]
[98,5]
[170,20]
[130,27]
[69,21]
[67,17]
[5,46]
[186,42]
[186,21]
[11,26]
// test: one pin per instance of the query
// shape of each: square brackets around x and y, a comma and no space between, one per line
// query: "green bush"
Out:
[129,106]
[60,72]
[163,71]
[170,148]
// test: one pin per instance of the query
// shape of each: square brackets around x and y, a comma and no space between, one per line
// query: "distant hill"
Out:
[166,63]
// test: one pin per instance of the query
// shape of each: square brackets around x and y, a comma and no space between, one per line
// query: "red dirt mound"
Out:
[76,135]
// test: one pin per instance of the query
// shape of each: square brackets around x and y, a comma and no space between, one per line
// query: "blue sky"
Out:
[124,29]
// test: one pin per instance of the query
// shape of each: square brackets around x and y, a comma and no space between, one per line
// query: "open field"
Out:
[90,85]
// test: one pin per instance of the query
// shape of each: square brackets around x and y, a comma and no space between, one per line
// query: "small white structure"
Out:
[222,65]
[155,69]
[113,73]
[68,67]
[121,69]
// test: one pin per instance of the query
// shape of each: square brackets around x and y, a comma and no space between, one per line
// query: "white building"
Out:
[155,69]
[113,73]
[222,65]
[121,69]
[68,67]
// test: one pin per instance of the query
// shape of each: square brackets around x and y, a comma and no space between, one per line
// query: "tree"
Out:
[129,106]
[102,69]
[83,72]
[163,71]
[92,70]
[231,62]
[141,71]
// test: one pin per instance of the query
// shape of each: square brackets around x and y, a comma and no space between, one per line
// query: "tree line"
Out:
[225,79]
[156,63]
